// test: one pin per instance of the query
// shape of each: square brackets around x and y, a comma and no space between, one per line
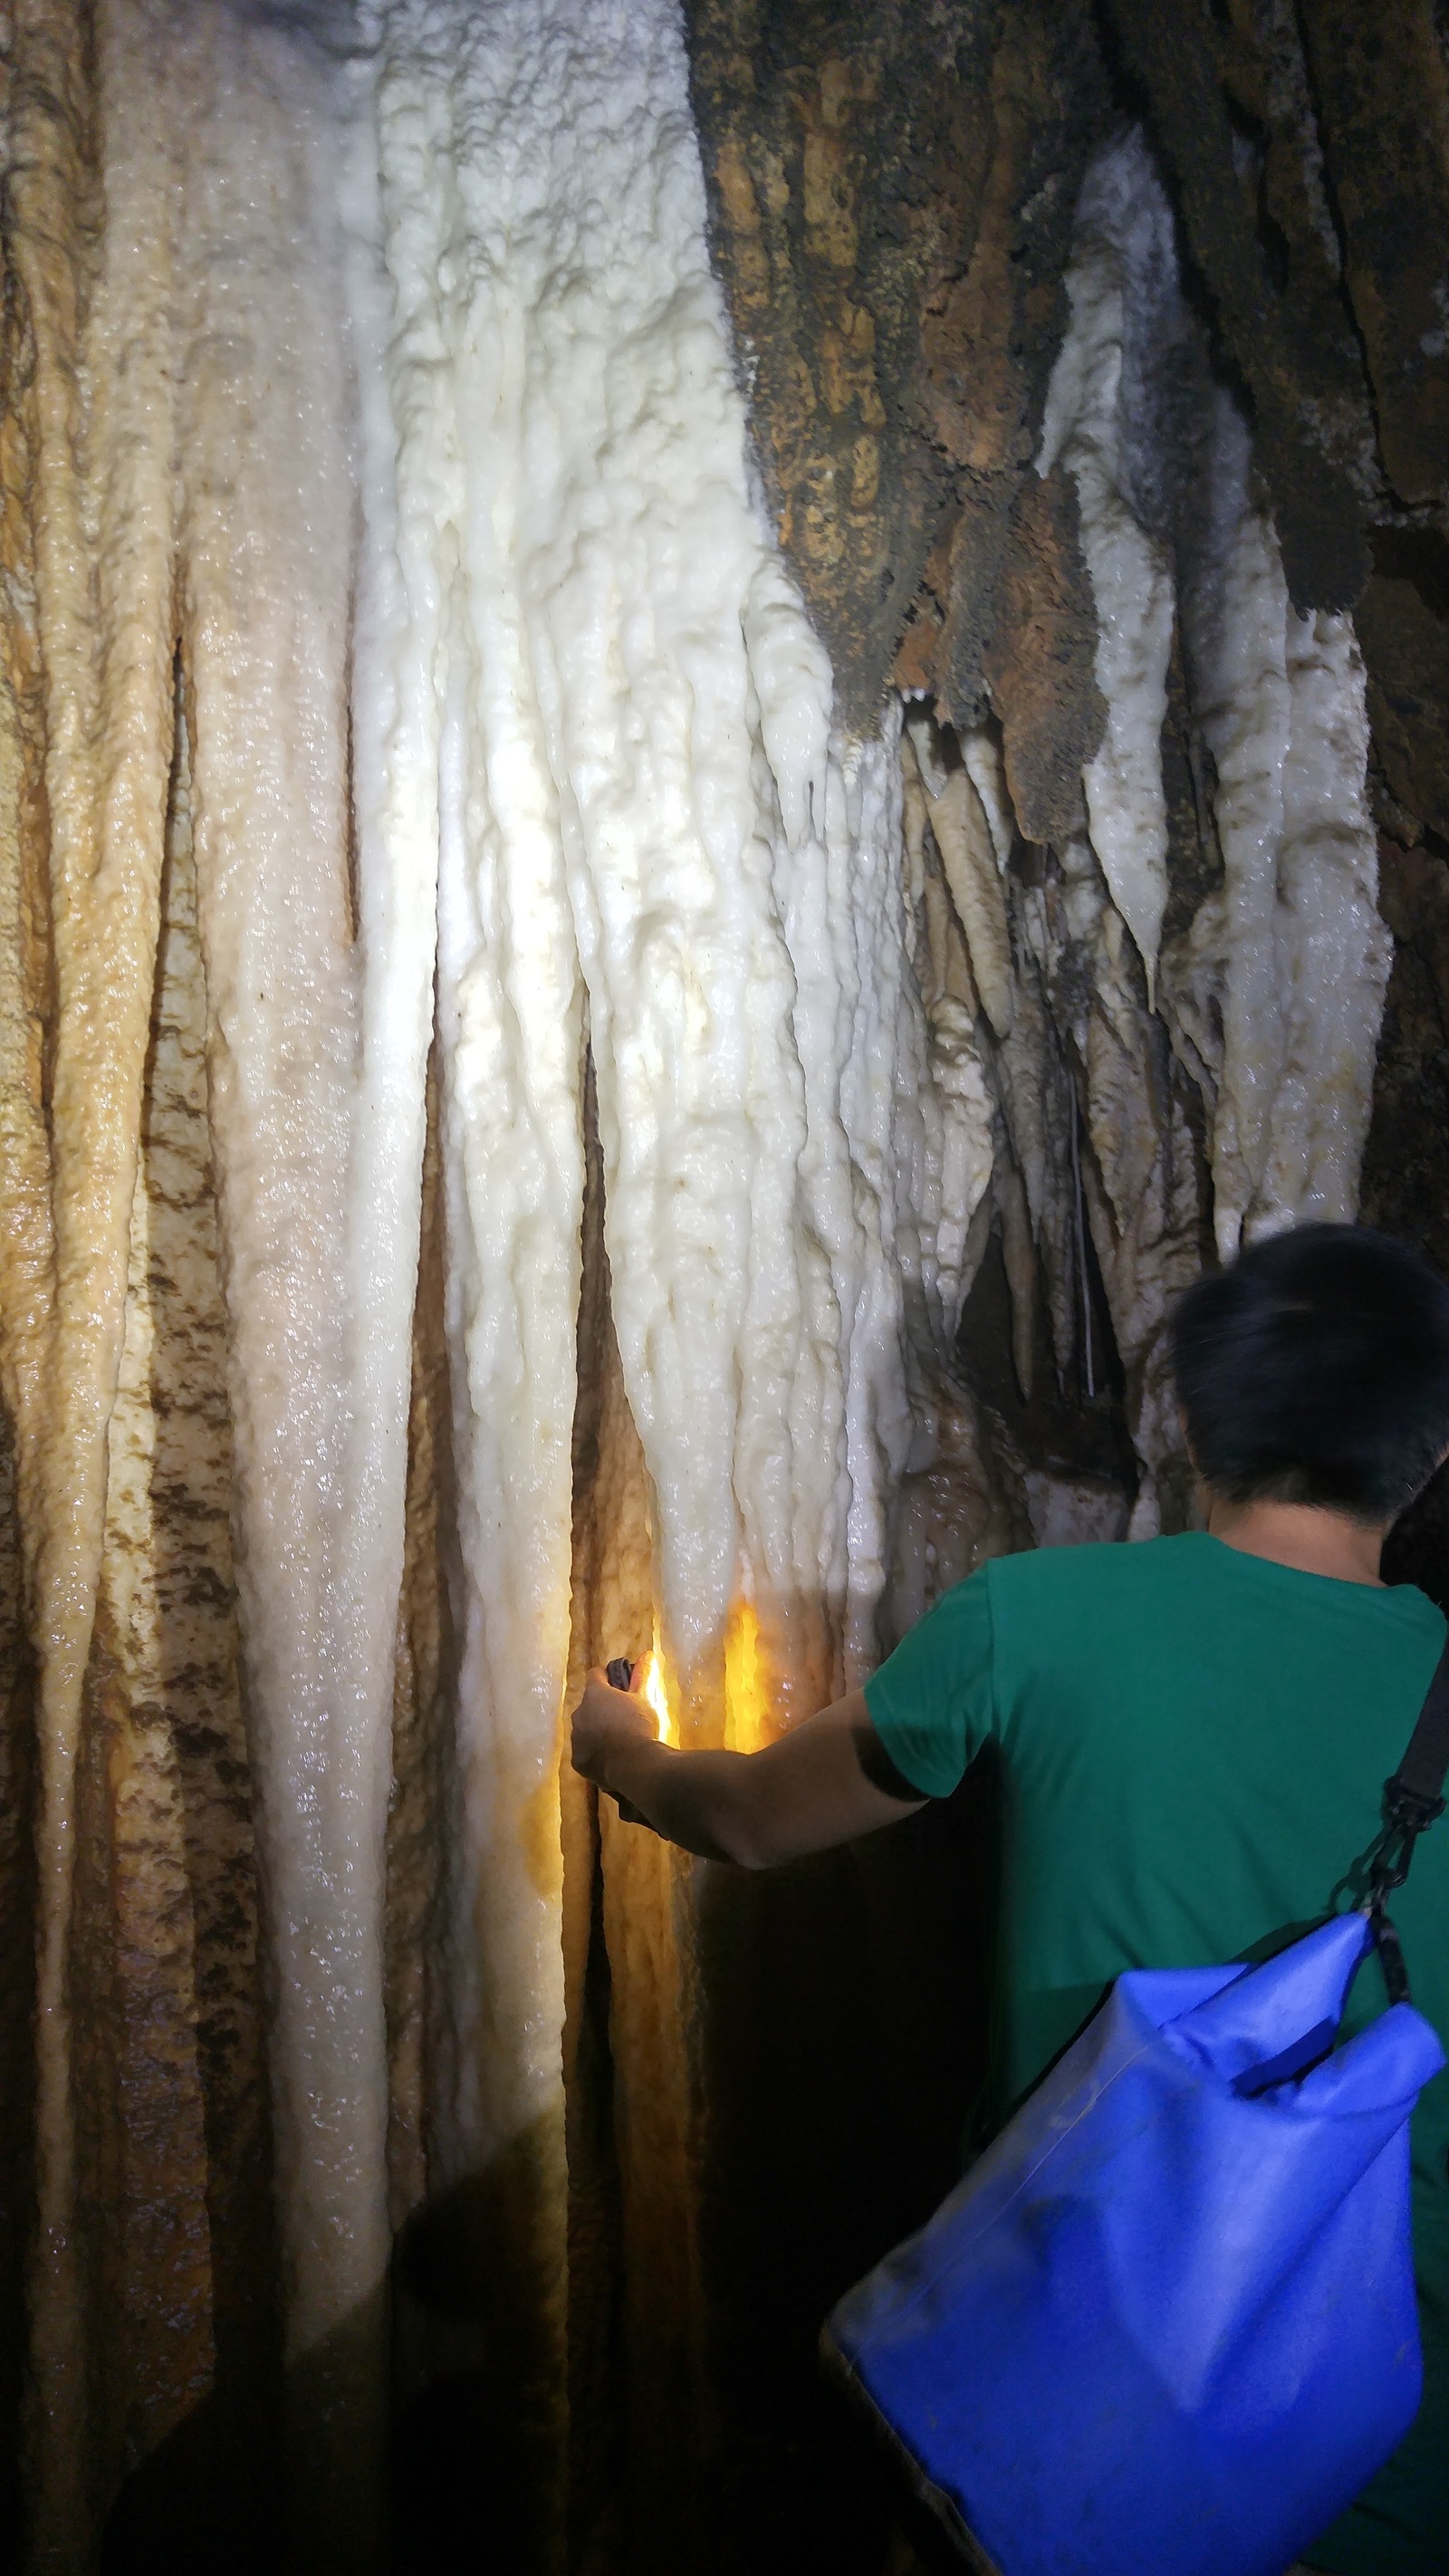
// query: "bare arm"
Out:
[825,1782]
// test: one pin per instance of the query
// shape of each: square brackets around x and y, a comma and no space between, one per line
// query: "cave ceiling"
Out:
[892,193]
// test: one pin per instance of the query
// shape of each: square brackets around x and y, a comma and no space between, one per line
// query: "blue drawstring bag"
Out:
[1167,2325]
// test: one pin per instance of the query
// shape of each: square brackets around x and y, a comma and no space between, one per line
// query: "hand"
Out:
[606,1722]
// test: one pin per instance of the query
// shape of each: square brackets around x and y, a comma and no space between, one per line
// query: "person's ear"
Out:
[1187,1441]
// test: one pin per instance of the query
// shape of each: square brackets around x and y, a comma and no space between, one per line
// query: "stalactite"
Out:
[100,498]
[1122,260]
[460,802]
[1277,701]
[425,1678]
[963,836]
[194,1644]
[1295,935]
[181,2234]
[1140,1177]
[265,436]
[26,1004]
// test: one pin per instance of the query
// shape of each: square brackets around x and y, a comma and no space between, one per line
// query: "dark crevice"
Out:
[1057,1430]
[1419,556]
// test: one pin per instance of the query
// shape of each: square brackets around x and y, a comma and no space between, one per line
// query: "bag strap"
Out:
[1421,1775]
[1413,1798]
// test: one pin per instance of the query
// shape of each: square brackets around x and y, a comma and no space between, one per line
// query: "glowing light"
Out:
[747,1712]
[651,1689]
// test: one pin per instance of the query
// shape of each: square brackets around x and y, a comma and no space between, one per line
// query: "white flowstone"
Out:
[1123,255]
[315,1071]
[590,711]
[1303,956]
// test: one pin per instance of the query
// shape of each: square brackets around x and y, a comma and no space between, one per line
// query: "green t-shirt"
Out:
[1192,1746]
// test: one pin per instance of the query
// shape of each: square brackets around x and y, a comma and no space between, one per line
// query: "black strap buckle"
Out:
[1391,1951]
[1406,1812]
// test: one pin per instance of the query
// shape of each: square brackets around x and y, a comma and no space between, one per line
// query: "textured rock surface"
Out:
[1037,659]
[1308,196]
[837,144]
[892,192]
[104,737]
[1382,94]
[1228,99]
[1406,1166]
[178,2198]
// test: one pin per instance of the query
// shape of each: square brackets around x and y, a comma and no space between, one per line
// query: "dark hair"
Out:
[1316,1370]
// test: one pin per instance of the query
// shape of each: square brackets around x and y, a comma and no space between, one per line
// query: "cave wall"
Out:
[893,195]
[601,2336]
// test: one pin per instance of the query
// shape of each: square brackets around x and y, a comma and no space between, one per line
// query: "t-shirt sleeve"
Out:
[932,1702]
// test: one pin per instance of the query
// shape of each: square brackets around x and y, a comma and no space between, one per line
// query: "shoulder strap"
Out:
[1421,1775]
[1412,1800]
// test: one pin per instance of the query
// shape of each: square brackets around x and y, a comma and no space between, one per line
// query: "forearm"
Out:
[824,1783]
[702,1801]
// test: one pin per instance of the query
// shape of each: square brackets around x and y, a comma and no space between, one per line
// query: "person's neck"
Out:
[1301,1535]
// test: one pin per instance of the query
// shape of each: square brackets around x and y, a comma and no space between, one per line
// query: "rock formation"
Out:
[720,732]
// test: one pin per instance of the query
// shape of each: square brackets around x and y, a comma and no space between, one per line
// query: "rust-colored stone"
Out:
[1040,662]
[892,197]
[992,337]
[845,148]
